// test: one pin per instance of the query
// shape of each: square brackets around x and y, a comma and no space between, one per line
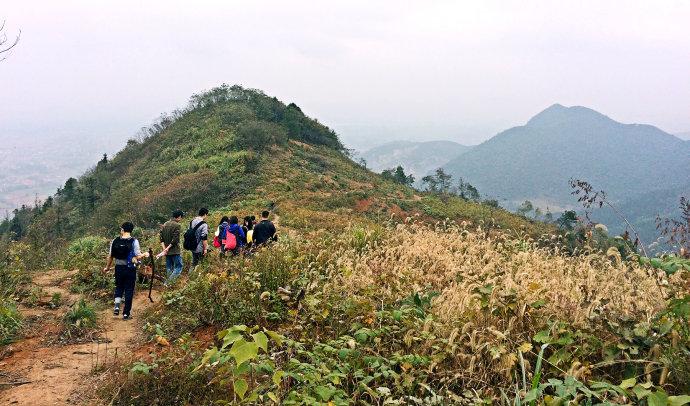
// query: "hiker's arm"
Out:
[204,237]
[109,264]
[137,251]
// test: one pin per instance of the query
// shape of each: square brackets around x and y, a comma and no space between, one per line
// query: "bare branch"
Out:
[4,47]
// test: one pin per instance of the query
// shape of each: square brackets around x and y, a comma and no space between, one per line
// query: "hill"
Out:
[374,294]
[417,158]
[231,148]
[535,161]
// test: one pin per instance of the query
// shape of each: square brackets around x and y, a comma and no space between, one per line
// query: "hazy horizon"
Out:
[425,71]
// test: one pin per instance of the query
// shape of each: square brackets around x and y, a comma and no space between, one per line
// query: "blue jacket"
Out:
[239,234]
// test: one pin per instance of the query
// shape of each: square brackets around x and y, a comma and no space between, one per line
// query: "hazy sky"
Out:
[441,69]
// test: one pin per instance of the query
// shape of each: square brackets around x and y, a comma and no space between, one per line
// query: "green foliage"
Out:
[398,175]
[80,319]
[257,135]
[10,320]
[567,220]
[525,208]
[87,255]
[668,263]
[439,183]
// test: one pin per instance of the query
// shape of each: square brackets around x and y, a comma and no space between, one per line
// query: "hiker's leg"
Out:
[119,284]
[169,265]
[129,291]
[177,266]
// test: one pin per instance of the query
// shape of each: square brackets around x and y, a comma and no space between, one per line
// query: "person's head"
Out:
[233,220]
[253,218]
[265,214]
[177,215]
[203,212]
[126,227]
[224,219]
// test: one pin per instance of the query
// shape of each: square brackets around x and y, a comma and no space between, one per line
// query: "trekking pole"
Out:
[153,272]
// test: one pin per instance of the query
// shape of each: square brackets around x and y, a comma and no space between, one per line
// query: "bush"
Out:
[86,251]
[80,319]
[87,255]
[10,321]
[258,135]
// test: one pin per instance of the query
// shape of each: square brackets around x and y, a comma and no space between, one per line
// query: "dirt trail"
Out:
[41,371]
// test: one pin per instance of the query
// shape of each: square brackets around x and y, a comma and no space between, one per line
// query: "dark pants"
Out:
[196,258]
[125,280]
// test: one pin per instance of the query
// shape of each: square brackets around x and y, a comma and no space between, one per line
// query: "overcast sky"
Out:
[427,70]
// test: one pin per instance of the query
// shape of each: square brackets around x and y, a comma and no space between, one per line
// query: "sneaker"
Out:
[116,312]
[126,317]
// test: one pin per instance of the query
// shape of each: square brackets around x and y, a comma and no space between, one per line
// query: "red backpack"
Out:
[230,241]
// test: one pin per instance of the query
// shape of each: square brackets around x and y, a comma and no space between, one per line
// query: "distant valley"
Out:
[417,158]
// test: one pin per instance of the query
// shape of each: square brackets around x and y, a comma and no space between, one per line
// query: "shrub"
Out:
[80,319]
[10,321]
[258,135]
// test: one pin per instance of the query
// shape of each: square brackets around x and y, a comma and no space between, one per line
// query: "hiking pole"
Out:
[153,272]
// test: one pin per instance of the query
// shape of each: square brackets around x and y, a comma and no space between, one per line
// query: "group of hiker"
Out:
[229,238]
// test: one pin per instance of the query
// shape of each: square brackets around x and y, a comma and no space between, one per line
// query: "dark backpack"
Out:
[190,242]
[122,248]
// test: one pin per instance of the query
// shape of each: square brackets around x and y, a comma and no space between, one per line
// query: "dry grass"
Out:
[496,293]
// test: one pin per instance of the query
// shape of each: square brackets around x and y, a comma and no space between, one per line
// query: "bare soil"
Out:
[40,369]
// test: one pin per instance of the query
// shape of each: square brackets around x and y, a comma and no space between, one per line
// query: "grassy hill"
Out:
[375,293]
[231,148]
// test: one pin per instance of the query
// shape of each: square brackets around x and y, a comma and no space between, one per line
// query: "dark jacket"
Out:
[170,233]
[263,232]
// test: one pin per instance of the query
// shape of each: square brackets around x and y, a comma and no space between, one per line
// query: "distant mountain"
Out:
[418,158]
[684,135]
[535,161]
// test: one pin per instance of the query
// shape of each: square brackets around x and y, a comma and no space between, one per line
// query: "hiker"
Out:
[248,228]
[238,233]
[170,242]
[264,230]
[125,252]
[196,237]
[221,232]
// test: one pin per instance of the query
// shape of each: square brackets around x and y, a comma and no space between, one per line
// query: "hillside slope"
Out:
[535,161]
[417,158]
[232,148]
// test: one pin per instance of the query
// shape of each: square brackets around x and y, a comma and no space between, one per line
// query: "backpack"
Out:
[123,249]
[230,240]
[190,242]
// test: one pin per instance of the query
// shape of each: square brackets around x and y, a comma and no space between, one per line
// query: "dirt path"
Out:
[41,371]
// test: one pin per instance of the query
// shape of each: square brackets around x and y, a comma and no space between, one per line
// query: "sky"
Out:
[93,72]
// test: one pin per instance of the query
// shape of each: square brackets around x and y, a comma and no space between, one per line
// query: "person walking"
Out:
[200,229]
[264,230]
[240,237]
[125,252]
[170,242]
[221,233]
